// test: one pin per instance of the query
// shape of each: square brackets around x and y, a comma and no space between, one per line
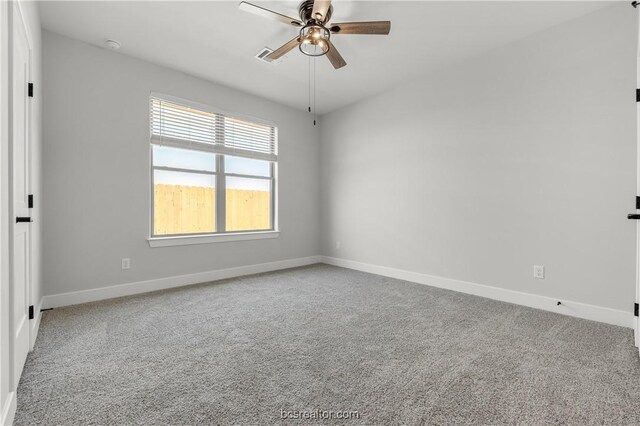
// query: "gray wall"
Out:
[96,172]
[526,155]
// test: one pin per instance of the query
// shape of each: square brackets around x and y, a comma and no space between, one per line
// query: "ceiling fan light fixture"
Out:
[314,40]
[314,37]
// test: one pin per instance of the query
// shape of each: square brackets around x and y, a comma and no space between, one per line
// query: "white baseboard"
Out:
[8,410]
[574,309]
[35,324]
[84,296]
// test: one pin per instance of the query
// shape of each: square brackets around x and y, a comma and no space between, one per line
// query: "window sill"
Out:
[184,240]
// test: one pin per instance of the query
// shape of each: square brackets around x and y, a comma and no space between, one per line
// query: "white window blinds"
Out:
[178,124]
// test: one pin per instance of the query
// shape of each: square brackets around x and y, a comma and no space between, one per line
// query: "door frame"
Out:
[16,16]
[636,320]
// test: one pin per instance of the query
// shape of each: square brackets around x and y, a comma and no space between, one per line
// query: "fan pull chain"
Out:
[312,79]
[309,71]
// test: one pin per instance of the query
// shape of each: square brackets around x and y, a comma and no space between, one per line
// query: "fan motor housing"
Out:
[306,12]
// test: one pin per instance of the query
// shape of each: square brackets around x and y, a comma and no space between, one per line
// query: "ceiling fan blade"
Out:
[266,13]
[320,9]
[335,57]
[374,27]
[283,50]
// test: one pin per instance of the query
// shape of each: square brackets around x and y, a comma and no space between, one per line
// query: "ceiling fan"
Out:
[314,38]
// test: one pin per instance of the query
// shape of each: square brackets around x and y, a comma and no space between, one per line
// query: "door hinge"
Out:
[637,95]
[30,90]
[636,307]
[30,311]
[31,201]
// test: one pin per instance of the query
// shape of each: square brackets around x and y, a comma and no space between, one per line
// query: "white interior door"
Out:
[19,157]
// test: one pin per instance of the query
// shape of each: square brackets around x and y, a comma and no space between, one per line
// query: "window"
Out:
[211,174]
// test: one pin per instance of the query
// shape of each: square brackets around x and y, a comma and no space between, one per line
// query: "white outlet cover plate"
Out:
[538,272]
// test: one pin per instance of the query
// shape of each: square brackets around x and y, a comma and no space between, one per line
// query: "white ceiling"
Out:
[216,41]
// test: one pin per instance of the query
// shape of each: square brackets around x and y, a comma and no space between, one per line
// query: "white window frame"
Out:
[221,235]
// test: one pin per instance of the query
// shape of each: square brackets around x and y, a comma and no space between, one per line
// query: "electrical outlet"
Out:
[338,245]
[126,263]
[538,272]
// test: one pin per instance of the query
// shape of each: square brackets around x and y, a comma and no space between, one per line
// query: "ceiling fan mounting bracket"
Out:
[305,9]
